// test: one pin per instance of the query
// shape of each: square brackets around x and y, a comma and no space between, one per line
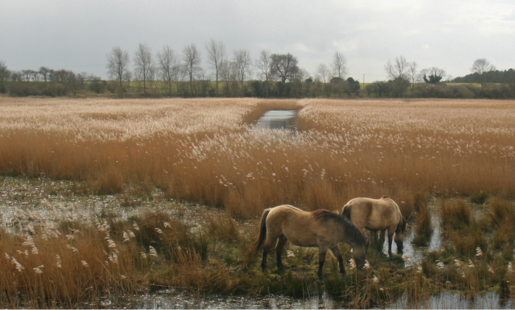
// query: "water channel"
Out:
[277,119]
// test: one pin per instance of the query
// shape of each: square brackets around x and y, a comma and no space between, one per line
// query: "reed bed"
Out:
[203,149]
[206,151]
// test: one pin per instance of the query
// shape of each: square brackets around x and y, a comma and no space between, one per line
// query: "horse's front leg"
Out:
[390,239]
[336,252]
[321,261]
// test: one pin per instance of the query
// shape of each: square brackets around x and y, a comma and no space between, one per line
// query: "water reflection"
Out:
[176,299]
[277,119]
[454,301]
[172,299]
[417,253]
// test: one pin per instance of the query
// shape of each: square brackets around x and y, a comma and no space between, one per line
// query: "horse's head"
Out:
[359,253]
[399,236]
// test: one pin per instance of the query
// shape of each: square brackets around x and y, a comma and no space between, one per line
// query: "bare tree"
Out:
[481,66]
[118,65]
[412,72]
[397,69]
[324,73]
[45,73]
[192,60]
[228,74]
[263,64]
[284,66]
[143,65]
[339,65]
[216,58]
[168,66]
[242,61]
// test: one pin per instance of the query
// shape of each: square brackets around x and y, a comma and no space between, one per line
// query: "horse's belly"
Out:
[304,240]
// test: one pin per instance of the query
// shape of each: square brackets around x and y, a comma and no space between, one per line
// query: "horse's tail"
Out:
[262,231]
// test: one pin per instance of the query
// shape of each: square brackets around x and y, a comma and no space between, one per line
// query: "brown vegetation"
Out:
[203,150]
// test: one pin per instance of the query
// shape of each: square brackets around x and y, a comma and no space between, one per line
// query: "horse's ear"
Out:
[384,197]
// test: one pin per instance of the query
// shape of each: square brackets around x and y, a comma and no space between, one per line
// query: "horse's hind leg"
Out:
[321,261]
[279,248]
[336,252]
[263,261]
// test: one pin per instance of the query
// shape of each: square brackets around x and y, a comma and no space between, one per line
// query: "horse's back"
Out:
[298,226]
[285,214]
[373,213]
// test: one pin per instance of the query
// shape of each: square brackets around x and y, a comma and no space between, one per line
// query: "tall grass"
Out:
[203,150]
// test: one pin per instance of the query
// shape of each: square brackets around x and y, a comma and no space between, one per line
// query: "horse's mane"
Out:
[350,229]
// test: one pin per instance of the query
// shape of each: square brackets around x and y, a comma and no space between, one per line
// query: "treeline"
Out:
[167,73]
[47,82]
[506,76]
[402,88]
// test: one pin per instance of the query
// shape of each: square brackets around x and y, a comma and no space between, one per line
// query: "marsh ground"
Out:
[114,197]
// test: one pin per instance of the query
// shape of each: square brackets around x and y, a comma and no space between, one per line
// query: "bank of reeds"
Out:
[203,150]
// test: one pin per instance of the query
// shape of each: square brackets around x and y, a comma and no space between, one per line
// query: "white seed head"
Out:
[152,251]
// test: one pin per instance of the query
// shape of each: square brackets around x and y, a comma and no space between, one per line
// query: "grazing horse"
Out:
[321,228]
[377,214]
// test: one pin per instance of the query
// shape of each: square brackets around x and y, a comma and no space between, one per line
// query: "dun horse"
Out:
[322,229]
[378,214]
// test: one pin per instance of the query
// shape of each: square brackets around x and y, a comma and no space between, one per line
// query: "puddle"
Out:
[176,299]
[416,253]
[277,119]
[454,301]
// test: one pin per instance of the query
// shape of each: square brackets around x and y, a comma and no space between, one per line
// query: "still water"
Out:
[277,119]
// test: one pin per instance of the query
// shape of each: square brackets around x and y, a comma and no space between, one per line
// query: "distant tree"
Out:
[82,77]
[338,86]
[45,73]
[480,67]
[412,72]
[263,63]
[191,57]
[30,75]
[243,62]
[432,75]
[324,73]
[352,86]
[397,69]
[144,65]
[284,66]
[168,66]
[398,86]
[216,57]
[4,77]
[339,65]
[16,76]
[118,65]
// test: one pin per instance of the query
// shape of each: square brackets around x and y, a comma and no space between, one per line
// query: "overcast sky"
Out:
[77,35]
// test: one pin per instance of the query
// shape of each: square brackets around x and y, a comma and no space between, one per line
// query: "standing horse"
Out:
[377,214]
[322,229]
